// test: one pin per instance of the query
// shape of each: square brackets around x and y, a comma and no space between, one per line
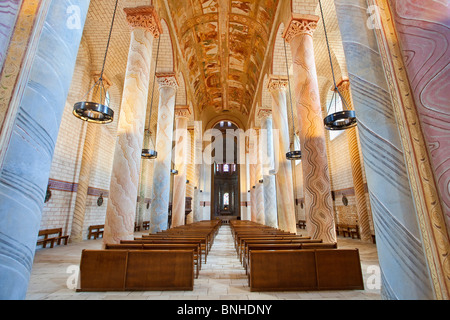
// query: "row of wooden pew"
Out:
[275,260]
[167,260]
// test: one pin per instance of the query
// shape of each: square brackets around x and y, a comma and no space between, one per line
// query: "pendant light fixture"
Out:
[151,153]
[97,112]
[339,120]
[293,154]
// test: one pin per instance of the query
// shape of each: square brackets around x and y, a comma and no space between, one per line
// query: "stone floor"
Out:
[221,278]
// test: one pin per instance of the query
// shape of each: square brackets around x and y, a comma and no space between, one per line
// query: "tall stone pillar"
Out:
[161,173]
[144,184]
[357,169]
[29,151]
[259,194]
[285,185]
[76,235]
[181,150]
[198,160]
[270,190]
[404,271]
[252,174]
[317,186]
[121,210]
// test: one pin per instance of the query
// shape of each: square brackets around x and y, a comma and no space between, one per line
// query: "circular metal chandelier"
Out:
[339,120]
[97,112]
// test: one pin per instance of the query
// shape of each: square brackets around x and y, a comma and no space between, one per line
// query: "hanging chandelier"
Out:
[339,120]
[151,153]
[97,112]
[292,154]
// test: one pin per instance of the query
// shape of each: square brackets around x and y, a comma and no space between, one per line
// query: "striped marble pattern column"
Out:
[161,173]
[270,190]
[259,197]
[357,170]
[121,210]
[252,170]
[198,159]
[317,186]
[28,158]
[285,185]
[400,251]
[180,156]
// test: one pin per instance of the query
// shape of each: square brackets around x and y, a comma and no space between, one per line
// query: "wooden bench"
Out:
[56,237]
[96,231]
[298,270]
[284,246]
[161,246]
[136,270]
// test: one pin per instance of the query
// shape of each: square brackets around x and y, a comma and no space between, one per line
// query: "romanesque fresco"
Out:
[224,43]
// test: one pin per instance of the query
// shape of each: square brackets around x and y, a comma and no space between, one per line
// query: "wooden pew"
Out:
[96,231]
[136,270]
[297,270]
[51,236]
[162,246]
[284,246]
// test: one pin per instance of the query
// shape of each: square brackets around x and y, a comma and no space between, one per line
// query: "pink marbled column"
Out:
[179,181]
[259,197]
[121,211]
[163,164]
[317,186]
[424,32]
[285,185]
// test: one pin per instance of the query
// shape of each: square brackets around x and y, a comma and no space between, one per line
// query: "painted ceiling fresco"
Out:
[223,43]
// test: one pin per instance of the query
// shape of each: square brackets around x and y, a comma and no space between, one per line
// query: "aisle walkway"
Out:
[222,277]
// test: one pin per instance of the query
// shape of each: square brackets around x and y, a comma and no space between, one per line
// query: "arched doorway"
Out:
[225,193]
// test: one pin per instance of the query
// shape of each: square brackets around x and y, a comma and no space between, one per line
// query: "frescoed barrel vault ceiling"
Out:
[223,44]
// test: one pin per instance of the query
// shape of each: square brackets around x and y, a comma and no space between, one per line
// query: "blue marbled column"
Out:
[400,252]
[26,169]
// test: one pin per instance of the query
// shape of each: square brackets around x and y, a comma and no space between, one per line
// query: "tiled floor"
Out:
[222,277]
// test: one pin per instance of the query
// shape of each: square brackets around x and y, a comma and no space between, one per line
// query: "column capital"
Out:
[106,82]
[344,84]
[277,83]
[182,112]
[265,113]
[300,24]
[144,17]
[167,80]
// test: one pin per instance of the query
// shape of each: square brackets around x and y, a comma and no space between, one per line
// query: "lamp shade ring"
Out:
[93,112]
[340,120]
[294,155]
[149,154]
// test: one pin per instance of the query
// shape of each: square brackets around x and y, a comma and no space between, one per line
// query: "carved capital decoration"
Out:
[277,84]
[300,24]
[265,113]
[182,112]
[144,17]
[167,80]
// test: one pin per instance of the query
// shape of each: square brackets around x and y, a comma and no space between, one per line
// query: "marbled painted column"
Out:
[161,173]
[26,168]
[270,190]
[87,158]
[179,181]
[121,210]
[259,194]
[285,185]
[198,160]
[144,182]
[357,169]
[20,30]
[9,10]
[401,256]
[417,72]
[252,171]
[316,177]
